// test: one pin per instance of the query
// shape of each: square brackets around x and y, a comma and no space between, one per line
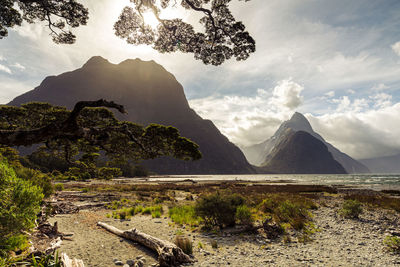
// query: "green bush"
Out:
[351,208]
[108,173]
[59,187]
[243,215]
[19,203]
[184,215]
[392,243]
[36,178]
[218,209]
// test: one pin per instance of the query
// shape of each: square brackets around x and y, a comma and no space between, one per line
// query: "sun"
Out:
[167,13]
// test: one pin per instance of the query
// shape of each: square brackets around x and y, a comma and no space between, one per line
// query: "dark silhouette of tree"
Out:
[222,38]
[90,128]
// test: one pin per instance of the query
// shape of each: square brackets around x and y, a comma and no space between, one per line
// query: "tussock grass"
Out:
[184,215]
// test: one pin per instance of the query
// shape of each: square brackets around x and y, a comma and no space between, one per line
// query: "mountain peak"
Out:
[298,123]
[96,61]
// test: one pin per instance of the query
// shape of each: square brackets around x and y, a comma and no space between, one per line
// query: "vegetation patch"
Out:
[377,201]
[184,215]
[351,208]
[392,243]
[184,243]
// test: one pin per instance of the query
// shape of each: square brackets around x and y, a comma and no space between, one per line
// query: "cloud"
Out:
[251,119]
[380,87]
[5,69]
[287,94]
[18,66]
[396,48]
[2,58]
[10,88]
[363,134]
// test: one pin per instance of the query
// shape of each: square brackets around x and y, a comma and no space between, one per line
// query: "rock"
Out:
[126,265]
[139,257]
[131,263]
[139,263]
[119,263]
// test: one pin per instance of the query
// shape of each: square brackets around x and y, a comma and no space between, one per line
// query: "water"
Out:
[371,181]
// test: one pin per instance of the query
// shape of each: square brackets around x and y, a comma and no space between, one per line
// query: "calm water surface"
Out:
[372,181]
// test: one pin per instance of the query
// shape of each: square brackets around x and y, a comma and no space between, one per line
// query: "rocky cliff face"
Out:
[300,152]
[258,154]
[150,94]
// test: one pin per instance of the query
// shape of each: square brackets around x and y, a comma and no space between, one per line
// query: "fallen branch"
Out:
[168,253]
[71,262]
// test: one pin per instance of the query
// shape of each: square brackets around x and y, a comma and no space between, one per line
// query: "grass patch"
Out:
[351,208]
[392,243]
[184,243]
[377,201]
[128,212]
[59,187]
[184,215]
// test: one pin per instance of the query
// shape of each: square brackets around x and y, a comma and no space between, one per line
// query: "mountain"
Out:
[150,94]
[257,154]
[300,152]
[389,164]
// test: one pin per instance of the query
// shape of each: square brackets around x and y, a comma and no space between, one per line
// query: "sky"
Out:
[337,62]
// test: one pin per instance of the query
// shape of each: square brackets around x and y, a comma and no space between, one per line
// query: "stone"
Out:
[139,263]
[119,263]
[131,263]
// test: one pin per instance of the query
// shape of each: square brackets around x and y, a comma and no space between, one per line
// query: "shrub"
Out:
[156,214]
[59,187]
[184,243]
[214,244]
[392,243]
[218,209]
[351,208]
[36,178]
[184,215]
[108,173]
[20,202]
[243,215]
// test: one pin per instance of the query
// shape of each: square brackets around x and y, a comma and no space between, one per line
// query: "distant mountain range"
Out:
[263,154]
[150,94]
[389,164]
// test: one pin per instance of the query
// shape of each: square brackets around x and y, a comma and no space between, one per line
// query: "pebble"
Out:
[120,263]
[131,263]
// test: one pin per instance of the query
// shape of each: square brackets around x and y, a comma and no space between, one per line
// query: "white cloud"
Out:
[330,94]
[248,120]
[396,48]
[362,134]
[379,87]
[381,100]
[2,58]
[287,94]
[5,69]
[18,66]
[10,88]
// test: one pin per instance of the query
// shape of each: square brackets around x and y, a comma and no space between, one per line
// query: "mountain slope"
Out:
[257,154]
[150,94]
[389,164]
[300,152]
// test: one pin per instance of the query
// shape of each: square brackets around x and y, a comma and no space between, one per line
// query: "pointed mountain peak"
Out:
[299,123]
[96,61]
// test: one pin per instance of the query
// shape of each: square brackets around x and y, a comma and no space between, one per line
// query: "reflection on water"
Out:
[373,181]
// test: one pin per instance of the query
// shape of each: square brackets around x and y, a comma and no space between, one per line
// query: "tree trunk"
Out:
[168,253]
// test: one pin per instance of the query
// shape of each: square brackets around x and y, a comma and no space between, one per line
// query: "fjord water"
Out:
[370,181]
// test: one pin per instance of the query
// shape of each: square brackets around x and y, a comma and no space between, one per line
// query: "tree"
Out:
[89,129]
[222,37]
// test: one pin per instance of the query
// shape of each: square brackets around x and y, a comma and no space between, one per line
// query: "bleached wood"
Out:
[168,253]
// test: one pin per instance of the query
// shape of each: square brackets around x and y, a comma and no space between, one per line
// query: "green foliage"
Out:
[184,215]
[50,260]
[392,243]
[108,173]
[351,209]
[76,154]
[36,178]
[379,201]
[19,203]
[218,209]
[184,243]
[128,212]
[59,187]
[244,215]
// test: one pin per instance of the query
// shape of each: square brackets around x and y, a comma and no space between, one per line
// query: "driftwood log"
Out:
[71,262]
[168,253]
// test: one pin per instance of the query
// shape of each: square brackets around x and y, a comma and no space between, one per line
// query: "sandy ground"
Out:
[339,241]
